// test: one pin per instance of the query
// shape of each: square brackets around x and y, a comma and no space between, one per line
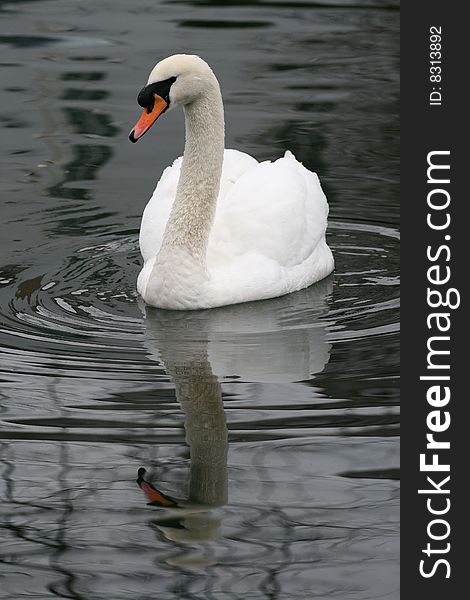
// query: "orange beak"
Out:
[155,496]
[148,118]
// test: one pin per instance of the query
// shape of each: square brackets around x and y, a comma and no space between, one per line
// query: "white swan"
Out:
[222,228]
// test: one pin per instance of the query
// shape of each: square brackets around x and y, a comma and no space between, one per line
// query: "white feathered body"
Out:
[267,237]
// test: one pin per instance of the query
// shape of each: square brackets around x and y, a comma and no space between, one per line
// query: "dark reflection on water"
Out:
[275,424]
[223,24]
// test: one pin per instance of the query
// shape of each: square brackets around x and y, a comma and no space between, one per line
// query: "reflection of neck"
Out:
[200,395]
[193,210]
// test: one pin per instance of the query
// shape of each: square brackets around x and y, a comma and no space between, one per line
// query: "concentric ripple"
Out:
[81,334]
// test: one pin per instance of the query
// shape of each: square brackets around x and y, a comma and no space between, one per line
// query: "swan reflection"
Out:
[281,340]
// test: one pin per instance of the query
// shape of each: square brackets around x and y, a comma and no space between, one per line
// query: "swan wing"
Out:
[157,211]
[276,210]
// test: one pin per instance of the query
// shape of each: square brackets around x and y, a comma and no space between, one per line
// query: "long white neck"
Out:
[192,215]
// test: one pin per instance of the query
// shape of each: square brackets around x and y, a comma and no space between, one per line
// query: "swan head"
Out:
[177,80]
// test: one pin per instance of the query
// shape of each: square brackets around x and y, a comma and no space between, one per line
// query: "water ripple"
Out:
[84,322]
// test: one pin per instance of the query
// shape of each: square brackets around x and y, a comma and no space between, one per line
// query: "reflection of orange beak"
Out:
[148,118]
[155,497]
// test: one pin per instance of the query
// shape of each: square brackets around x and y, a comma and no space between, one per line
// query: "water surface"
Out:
[275,423]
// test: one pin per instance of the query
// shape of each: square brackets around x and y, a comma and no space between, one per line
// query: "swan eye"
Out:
[146,97]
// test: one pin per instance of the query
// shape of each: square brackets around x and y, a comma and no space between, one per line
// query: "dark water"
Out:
[282,415]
